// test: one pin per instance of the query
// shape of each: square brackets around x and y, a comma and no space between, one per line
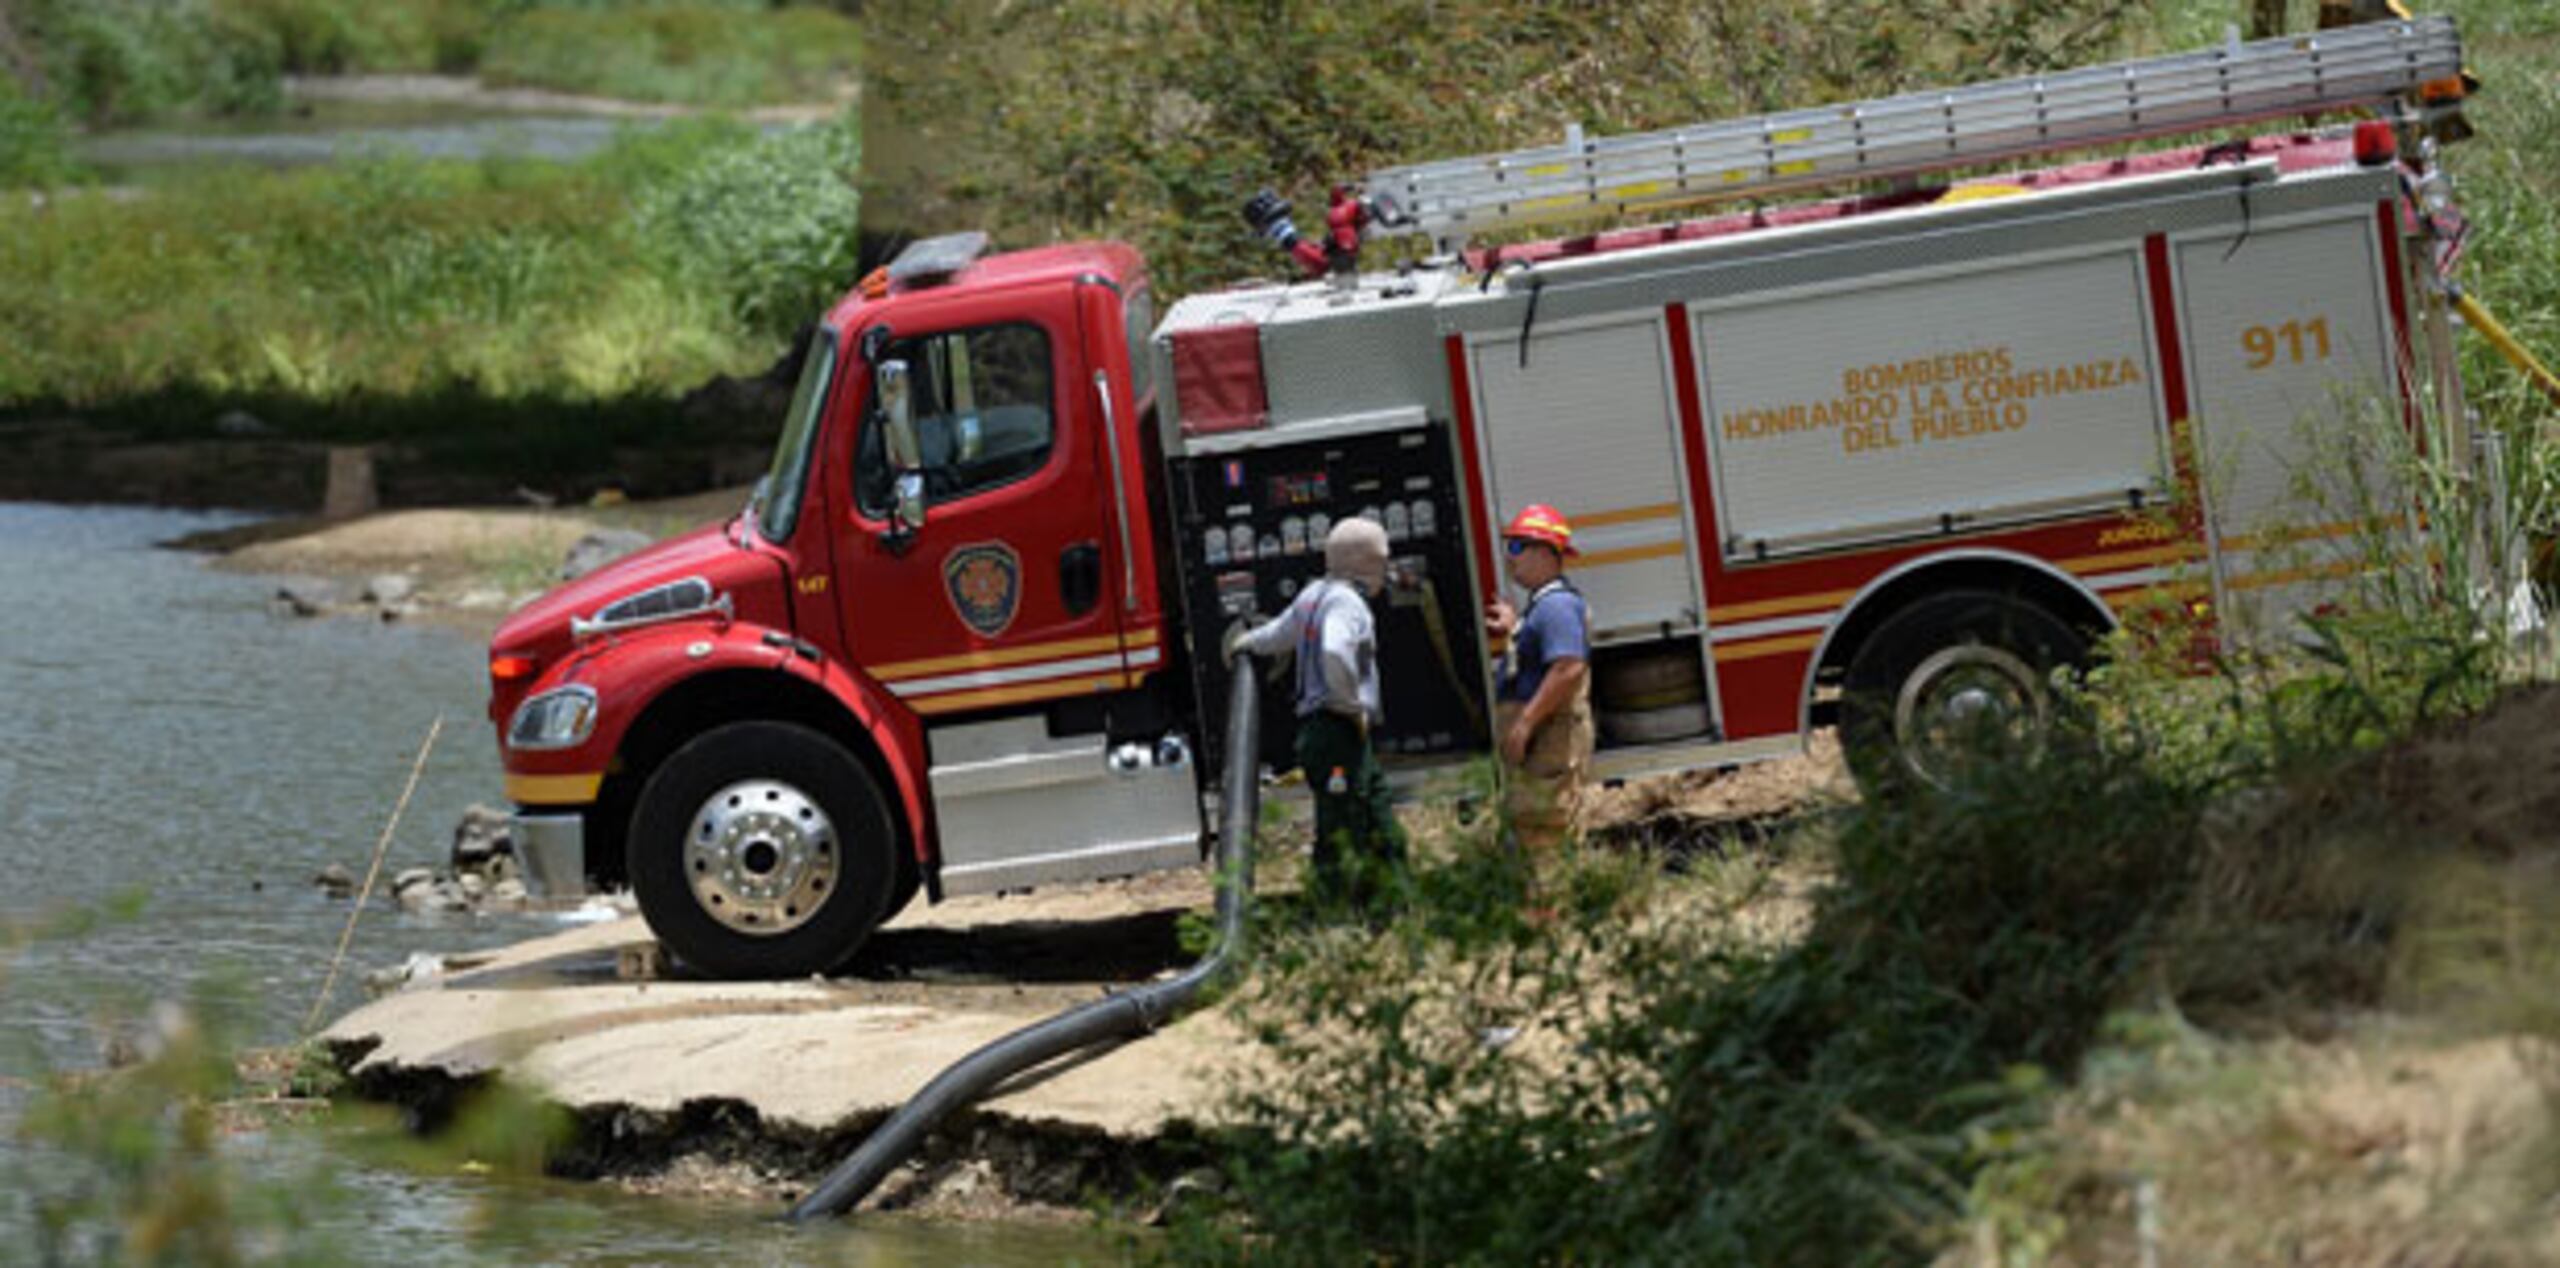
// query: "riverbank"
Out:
[467,566]
[724,1090]
[471,94]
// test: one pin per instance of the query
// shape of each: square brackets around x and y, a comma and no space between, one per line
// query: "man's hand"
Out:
[1499,619]
[1515,744]
[1232,644]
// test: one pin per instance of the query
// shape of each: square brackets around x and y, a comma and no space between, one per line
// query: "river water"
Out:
[334,131]
[170,745]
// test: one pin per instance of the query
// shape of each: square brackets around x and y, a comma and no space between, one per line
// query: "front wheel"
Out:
[1954,679]
[762,849]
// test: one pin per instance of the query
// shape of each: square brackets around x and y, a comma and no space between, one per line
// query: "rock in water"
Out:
[303,598]
[597,549]
[419,967]
[335,882]
[482,838]
[390,589]
[434,897]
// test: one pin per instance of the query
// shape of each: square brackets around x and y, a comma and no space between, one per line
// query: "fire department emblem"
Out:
[985,585]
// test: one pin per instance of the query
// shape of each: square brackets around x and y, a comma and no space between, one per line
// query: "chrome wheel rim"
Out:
[761,857]
[1967,703]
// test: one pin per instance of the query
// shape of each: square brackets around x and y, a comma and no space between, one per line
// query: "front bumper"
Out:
[553,849]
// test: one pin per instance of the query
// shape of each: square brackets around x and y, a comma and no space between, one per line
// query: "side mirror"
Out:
[898,432]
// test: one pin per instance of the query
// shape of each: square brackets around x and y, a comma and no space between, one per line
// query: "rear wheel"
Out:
[1954,679]
[762,849]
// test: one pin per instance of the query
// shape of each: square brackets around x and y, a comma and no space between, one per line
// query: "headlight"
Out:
[562,717]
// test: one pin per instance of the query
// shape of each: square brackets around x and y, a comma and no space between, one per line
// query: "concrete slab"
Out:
[819,1054]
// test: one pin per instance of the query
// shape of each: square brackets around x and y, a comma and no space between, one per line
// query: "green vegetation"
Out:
[699,54]
[2508,184]
[31,142]
[549,310]
[169,1157]
[117,61]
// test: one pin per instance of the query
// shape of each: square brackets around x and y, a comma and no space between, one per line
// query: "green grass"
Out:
[533,306]
[696,55]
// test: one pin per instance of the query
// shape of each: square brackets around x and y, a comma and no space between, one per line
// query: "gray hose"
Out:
[1128,1013]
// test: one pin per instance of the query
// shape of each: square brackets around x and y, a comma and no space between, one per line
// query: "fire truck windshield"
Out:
[786,485]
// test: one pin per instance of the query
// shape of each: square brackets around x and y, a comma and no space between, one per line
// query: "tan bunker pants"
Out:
[1543,794]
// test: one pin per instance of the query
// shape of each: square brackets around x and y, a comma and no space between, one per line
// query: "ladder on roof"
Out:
[1920,132]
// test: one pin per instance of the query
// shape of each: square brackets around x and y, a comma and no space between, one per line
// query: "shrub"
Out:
[117,61]
[769,225]
[31,142]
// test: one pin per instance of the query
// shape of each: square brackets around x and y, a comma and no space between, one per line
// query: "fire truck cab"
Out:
[1907,453]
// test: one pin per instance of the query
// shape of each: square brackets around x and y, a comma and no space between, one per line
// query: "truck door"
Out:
[1002,598]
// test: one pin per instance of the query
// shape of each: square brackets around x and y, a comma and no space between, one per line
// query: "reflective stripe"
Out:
[553,790]
[989,699]
[1778,625]
[1000,656]
[1631,554]
[1000,677]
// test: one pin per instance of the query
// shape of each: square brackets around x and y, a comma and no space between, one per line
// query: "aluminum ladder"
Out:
[1902,136]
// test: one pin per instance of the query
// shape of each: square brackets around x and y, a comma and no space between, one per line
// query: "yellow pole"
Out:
[2505,342]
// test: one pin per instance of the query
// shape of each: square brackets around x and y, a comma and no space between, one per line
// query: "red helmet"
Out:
[1539,522]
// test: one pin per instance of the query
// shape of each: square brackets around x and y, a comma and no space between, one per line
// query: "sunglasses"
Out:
[1518,546]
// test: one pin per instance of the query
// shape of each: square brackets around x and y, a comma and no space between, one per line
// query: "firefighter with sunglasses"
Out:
[1542,713]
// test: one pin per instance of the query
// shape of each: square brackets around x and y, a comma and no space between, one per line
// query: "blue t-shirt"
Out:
[1555,626]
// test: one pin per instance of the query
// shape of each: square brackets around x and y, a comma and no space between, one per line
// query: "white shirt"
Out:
[1332,619]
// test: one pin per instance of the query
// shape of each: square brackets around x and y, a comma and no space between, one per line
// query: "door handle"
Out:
[1080,577]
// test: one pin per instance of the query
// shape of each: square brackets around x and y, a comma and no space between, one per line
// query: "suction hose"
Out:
[1126,1014]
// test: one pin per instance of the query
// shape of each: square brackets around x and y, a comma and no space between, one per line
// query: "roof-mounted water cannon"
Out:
[1347,214]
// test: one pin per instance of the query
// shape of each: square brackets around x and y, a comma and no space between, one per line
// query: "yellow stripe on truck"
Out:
[553,790]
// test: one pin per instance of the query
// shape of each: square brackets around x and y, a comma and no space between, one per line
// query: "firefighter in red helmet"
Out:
[1542,714]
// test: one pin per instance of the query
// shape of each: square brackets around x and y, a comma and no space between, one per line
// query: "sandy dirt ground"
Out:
[469,565]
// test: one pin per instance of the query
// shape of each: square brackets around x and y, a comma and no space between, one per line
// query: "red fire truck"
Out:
[1906,451]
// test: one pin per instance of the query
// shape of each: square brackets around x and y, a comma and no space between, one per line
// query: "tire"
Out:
[1948,680]
[762,849]
[1656,725]
[1655,681]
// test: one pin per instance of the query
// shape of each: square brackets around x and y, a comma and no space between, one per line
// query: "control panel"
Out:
[1252,527]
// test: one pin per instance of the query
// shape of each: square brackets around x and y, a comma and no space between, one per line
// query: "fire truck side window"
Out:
[1142,362]
[981,400]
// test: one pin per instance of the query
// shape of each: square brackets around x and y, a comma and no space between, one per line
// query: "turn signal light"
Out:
[511,668]
[2375,143]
